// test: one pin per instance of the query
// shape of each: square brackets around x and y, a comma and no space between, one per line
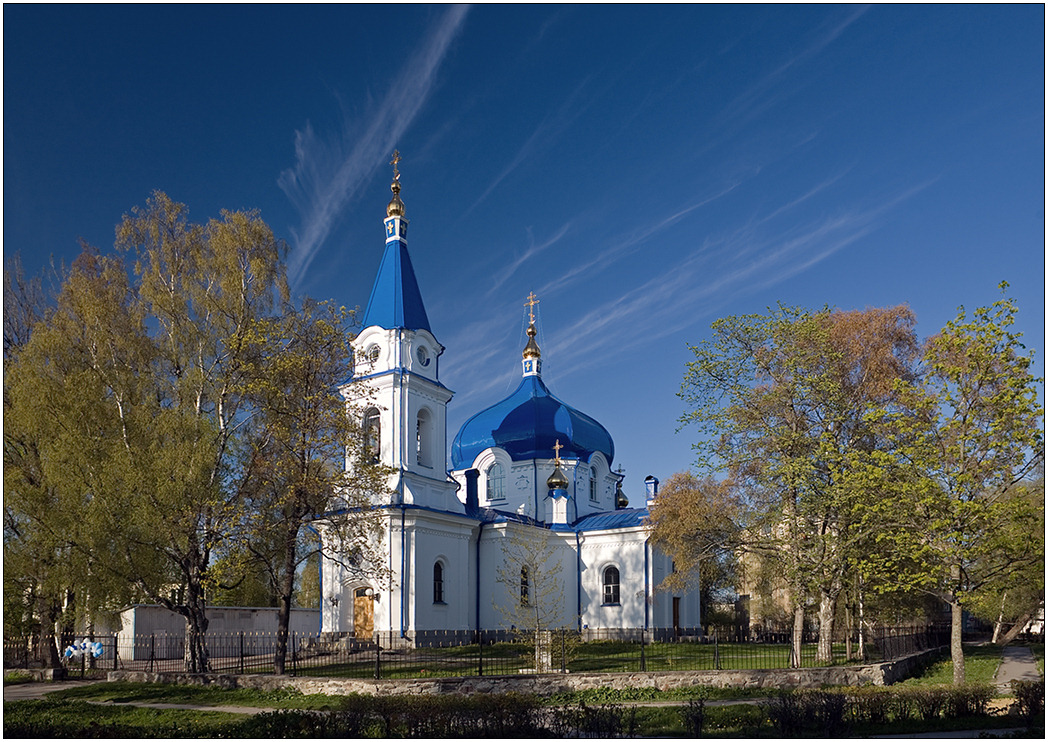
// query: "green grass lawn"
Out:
[980,664]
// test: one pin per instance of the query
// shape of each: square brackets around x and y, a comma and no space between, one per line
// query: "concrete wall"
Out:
[882,673]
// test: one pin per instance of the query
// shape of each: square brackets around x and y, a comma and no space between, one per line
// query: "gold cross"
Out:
[556,448]
[393,162]
[530,304]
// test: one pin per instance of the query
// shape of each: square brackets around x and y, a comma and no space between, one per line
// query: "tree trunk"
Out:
[848,632]
[287,588]
[862,626]
[956,649]
[196,657]
[1015,630]
[798,634]
[49,610]
[827,609]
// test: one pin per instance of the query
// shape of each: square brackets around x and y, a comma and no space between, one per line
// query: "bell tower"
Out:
[396,380]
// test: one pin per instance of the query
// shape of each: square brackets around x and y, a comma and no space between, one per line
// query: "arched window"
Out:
[593,483]
[611,586]
[524,585]
[372,434]
[496,482]
[424,438]
[438,582]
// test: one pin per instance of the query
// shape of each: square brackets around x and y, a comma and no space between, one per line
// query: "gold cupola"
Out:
[557,480]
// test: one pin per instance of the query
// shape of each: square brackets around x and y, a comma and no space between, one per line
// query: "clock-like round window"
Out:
[423,355]
[372,352]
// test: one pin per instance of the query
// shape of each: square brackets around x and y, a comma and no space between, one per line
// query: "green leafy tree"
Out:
[780,402]
[972,435]
[134,388]
[697,521]
[303,435]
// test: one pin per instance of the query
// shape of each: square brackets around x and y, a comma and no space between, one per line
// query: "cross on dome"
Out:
[556,451]
[530,304]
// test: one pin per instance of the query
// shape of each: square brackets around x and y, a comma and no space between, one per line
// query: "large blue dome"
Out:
[527,424]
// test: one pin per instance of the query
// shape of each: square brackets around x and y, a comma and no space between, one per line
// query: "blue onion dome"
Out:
[528,423]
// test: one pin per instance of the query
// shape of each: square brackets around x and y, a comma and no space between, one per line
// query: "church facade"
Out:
[526,527]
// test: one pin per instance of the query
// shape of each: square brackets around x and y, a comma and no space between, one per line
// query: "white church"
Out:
[528,524]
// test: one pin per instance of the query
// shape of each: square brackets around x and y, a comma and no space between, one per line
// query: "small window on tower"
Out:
[593,484]
[372,435]
[423,439]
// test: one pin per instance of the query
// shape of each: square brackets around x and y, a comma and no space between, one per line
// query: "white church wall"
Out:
[448,542]
[623,549]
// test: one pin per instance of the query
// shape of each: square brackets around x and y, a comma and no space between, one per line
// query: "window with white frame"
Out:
[424,438]
[611,586]
[496,482]
[593,484]
[372,434]
[438,582]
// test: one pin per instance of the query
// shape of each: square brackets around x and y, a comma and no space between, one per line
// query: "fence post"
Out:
[480,654]
[716,653]
[563,650]
[643,659]
[294,654]
[115,651]
[241,658]
[152,650]
[378,658]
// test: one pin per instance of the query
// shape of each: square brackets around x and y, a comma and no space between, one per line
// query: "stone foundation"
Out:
[881,673]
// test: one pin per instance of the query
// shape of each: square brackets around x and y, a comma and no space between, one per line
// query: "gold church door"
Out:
[363,615]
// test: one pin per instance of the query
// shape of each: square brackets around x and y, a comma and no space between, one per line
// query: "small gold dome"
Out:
[621,501]
[557,480]
[531,350]
[396,206]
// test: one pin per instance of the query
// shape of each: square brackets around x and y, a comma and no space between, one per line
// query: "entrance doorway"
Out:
[363,615]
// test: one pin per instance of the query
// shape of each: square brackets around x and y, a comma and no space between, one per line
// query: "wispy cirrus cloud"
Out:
[552,125]
[328,174]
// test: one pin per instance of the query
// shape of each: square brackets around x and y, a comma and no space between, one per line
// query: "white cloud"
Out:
[328,175]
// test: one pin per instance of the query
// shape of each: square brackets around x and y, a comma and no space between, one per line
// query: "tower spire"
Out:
[532,355]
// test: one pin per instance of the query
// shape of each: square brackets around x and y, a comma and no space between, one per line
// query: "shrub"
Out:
[929,702]
[970,699]
[829,710]
[870,705]
[693,714]
[786,712]
[1029,701]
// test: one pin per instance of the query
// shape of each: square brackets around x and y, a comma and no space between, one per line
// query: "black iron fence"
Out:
[457,654]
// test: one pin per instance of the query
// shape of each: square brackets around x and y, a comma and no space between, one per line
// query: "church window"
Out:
[372,434]
[423,438]
[438,582]
[593,484]
[611,586]
[496,482]
[524,600]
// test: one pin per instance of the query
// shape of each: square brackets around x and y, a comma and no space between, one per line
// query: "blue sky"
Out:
[644,170]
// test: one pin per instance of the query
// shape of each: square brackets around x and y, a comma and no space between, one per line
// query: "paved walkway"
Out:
[1017,663]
